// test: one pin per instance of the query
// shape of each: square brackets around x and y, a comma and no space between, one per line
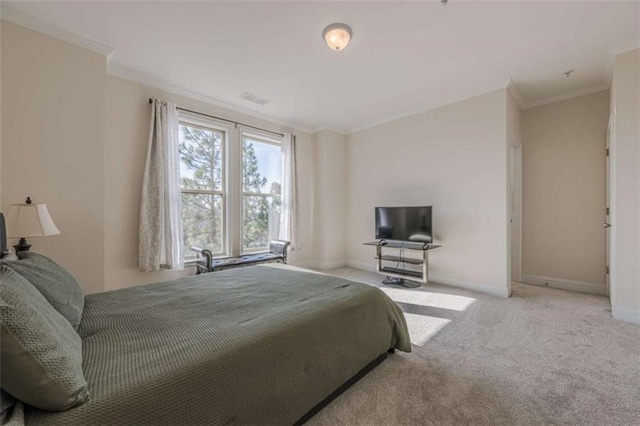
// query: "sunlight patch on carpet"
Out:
[424,298]
[422,327]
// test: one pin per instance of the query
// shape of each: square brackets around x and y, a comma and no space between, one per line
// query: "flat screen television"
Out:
[404,224]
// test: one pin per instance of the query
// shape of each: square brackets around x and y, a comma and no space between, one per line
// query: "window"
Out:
[231,187]
[202,170]
[261,189]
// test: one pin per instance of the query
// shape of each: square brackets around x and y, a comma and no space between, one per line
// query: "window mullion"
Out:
[201,191]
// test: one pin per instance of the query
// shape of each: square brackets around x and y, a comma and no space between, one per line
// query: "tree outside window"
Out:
[261,184]
[202,168]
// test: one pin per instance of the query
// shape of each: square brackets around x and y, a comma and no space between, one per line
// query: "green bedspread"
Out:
[256,345]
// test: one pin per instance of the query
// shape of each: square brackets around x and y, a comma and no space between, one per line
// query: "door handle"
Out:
[606,225]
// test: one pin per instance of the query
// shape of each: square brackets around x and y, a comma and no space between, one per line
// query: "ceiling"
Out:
[405,57]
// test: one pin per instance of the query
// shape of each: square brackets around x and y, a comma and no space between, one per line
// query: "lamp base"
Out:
[22,245]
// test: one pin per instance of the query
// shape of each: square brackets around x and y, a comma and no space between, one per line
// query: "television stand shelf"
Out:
[403,273]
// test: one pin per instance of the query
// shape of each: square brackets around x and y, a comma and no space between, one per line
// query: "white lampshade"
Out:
[30,220]
[337,36]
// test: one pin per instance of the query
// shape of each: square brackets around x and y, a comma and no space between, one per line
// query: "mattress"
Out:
[253,345]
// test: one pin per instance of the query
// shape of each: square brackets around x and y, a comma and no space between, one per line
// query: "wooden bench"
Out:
[206,263]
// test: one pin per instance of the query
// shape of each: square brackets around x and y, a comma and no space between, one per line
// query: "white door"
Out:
[607,213]
[515,178]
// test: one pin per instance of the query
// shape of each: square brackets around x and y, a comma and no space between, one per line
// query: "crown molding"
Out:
[438,104]
[332,129]
[10,15]
[625,48]
[566,96]
[135,76]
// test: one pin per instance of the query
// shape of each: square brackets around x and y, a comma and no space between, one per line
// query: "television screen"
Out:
[404,224]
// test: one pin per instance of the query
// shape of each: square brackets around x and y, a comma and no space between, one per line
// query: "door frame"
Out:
[515,209]
[610,191]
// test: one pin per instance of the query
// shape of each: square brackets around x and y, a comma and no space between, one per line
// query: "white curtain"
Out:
[289,220]
[160,231]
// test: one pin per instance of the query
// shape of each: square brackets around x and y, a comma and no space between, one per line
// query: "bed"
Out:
[266,344]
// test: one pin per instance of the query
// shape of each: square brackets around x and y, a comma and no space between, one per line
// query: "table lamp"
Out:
[29,220]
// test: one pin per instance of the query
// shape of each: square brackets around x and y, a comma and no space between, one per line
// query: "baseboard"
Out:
[623,313]
[323,266]
[564,284]
[454,282]
[363,266]
[307,264]
[489,289]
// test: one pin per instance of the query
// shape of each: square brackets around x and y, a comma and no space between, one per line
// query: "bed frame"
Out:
[346,385]
[3,236]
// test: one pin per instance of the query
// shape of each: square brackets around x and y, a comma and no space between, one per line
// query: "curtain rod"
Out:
[224,119]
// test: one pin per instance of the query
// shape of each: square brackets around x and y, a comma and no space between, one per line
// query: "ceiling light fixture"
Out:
[337,36]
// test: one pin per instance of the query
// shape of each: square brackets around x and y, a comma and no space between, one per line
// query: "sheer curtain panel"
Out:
[289,219]
[160,231]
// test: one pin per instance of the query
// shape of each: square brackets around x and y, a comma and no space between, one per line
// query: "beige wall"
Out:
[53,104]
[564,191]
[453,158]
[76,138]
[625,215]
[331,200]
[126,136]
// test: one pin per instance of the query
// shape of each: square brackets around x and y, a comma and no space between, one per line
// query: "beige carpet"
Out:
[544,356]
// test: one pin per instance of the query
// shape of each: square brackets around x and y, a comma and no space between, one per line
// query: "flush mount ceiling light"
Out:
[337,36]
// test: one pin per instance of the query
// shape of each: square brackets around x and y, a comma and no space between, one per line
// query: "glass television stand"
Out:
[390,264]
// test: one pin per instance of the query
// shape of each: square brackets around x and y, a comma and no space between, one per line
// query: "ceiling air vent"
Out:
[253,98]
